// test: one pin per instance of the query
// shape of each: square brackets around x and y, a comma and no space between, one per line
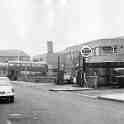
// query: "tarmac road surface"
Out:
[35,104]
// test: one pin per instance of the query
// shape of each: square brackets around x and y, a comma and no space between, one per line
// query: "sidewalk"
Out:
[118,97]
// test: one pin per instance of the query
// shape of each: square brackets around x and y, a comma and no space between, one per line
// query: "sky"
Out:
[29,24]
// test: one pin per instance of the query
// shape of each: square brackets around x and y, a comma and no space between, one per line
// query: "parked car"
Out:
[6,90]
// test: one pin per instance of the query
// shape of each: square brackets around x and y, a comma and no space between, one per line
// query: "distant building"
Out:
[50,47]
[40,58]
[13,55]
[50,59]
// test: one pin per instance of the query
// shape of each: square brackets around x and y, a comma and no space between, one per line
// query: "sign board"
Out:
[86,51]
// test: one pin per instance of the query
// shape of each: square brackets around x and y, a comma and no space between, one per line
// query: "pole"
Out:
[78,78]
[84,72]
[8,69]
[58,70]
[79,61]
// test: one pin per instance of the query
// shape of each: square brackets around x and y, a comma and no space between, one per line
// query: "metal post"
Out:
[79,60]
[84,64]
[79,72]
[58,70]
[84,72]
[8,69]
[58,63]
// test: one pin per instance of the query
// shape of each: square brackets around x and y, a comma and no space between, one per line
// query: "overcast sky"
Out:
[28,24]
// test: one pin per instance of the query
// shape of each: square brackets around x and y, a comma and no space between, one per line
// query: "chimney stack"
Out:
[49,47]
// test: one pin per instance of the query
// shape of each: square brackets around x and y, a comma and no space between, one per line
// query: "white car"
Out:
[6,90]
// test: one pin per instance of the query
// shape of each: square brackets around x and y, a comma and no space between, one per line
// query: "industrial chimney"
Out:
[49,47]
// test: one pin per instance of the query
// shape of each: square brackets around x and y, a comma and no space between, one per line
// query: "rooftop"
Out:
[100,42]
[12,52]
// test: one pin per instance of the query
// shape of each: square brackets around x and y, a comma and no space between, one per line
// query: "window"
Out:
[106,50]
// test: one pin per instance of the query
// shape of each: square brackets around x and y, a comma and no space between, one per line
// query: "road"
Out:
[38,105]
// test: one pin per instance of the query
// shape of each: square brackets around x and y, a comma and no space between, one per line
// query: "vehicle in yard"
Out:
[6,90]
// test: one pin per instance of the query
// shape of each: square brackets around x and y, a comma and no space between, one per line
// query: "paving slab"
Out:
[119,97]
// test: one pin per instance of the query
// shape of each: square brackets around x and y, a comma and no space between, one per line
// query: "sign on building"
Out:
[86,51]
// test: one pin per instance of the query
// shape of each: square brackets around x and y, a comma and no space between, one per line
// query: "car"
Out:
[6,90]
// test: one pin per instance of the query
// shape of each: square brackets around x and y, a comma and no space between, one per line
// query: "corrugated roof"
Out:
[12,52]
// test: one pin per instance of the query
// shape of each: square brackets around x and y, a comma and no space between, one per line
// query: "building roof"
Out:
[13,52]
[100,43]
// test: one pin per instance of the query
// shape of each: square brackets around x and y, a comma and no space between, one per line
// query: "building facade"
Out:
[102,50]
[7,56]
[107,55]
[13,55]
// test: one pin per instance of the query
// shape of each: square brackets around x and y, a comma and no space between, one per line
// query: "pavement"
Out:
[118,97]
